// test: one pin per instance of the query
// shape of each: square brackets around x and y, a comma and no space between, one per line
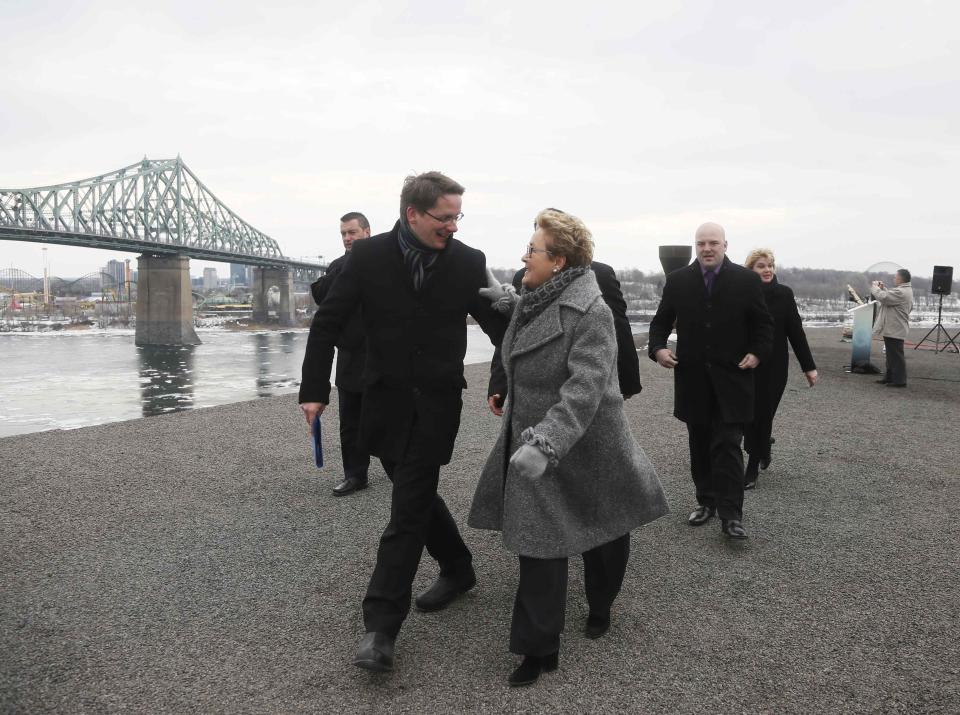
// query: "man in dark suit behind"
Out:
[351,351]
[723,331]
[415,286]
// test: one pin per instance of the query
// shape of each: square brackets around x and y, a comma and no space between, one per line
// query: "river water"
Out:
[69,379]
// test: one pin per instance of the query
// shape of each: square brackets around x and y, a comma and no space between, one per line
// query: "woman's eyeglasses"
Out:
[531,250]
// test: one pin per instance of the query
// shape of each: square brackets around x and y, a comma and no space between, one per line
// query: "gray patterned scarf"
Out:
[416,257]
[533,302]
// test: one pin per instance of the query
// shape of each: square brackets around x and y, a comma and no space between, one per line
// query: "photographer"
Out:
[893,324]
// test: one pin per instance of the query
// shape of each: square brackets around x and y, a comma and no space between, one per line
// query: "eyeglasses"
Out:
[531,250]
[445,219]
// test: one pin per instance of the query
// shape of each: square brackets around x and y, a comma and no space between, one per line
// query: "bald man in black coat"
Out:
[724,331]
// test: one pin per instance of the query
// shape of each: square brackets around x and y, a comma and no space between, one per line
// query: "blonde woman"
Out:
[566,477]
[770,377]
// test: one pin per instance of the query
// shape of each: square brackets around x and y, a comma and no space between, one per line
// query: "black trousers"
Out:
[896,363]
[769,390]
[716,464]
[356,461]
[418,518]
[539,609]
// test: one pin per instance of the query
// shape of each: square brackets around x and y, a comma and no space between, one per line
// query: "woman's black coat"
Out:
[771,376]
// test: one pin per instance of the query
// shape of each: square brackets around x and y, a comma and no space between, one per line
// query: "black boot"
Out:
[529,670]
[751,473]
[597,625]
[765,461]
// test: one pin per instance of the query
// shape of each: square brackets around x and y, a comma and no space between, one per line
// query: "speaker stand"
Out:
[936,330]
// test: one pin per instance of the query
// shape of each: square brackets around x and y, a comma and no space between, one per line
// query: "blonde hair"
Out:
[569,236]
[756,254]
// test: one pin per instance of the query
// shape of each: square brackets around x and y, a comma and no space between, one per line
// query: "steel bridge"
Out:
[153,206]
[160,209]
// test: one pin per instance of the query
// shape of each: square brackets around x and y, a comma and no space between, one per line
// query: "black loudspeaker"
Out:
[674,257]
[942,283]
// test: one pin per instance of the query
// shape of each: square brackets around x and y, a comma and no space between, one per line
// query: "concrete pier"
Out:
[198,562]
[263,280]
[164,301]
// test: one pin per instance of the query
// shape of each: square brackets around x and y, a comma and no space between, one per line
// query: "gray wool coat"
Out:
[562,382]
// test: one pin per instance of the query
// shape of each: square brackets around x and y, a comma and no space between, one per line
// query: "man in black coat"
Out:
[415,286]
[351,351]
[723,331]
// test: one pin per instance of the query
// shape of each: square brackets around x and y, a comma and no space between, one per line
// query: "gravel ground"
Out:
[198,562]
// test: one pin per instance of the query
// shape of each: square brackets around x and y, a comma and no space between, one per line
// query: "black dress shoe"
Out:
[349,486]
[765,462]
[734,529]
[443,592]
[529,670]
[896,384]
[701,515]
[596,626]
[375,653]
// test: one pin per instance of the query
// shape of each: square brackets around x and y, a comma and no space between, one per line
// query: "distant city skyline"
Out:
[827,131]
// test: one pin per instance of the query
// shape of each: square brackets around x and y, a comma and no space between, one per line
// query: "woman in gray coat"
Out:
[566,476]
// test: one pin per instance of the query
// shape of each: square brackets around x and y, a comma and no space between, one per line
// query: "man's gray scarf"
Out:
[418,258]
[533,302]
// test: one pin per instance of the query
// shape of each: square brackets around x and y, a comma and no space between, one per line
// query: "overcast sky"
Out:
[827,131]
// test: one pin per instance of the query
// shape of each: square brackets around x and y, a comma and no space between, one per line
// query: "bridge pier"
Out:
[164,301]
[263,280]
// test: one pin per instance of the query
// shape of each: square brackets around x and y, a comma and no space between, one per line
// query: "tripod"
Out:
[936,330]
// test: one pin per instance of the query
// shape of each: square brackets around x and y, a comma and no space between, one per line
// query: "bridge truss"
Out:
[153,206]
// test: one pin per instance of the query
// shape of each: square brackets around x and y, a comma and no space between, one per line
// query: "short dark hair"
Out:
[904,275]
[361,219]
[421,191]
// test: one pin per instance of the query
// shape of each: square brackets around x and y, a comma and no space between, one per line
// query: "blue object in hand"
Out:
[317,443]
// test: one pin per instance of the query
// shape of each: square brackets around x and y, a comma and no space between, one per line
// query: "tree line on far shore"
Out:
[807,283]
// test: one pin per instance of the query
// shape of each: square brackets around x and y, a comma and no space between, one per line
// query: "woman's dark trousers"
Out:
[767,395]
[540,605]
[418,518]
